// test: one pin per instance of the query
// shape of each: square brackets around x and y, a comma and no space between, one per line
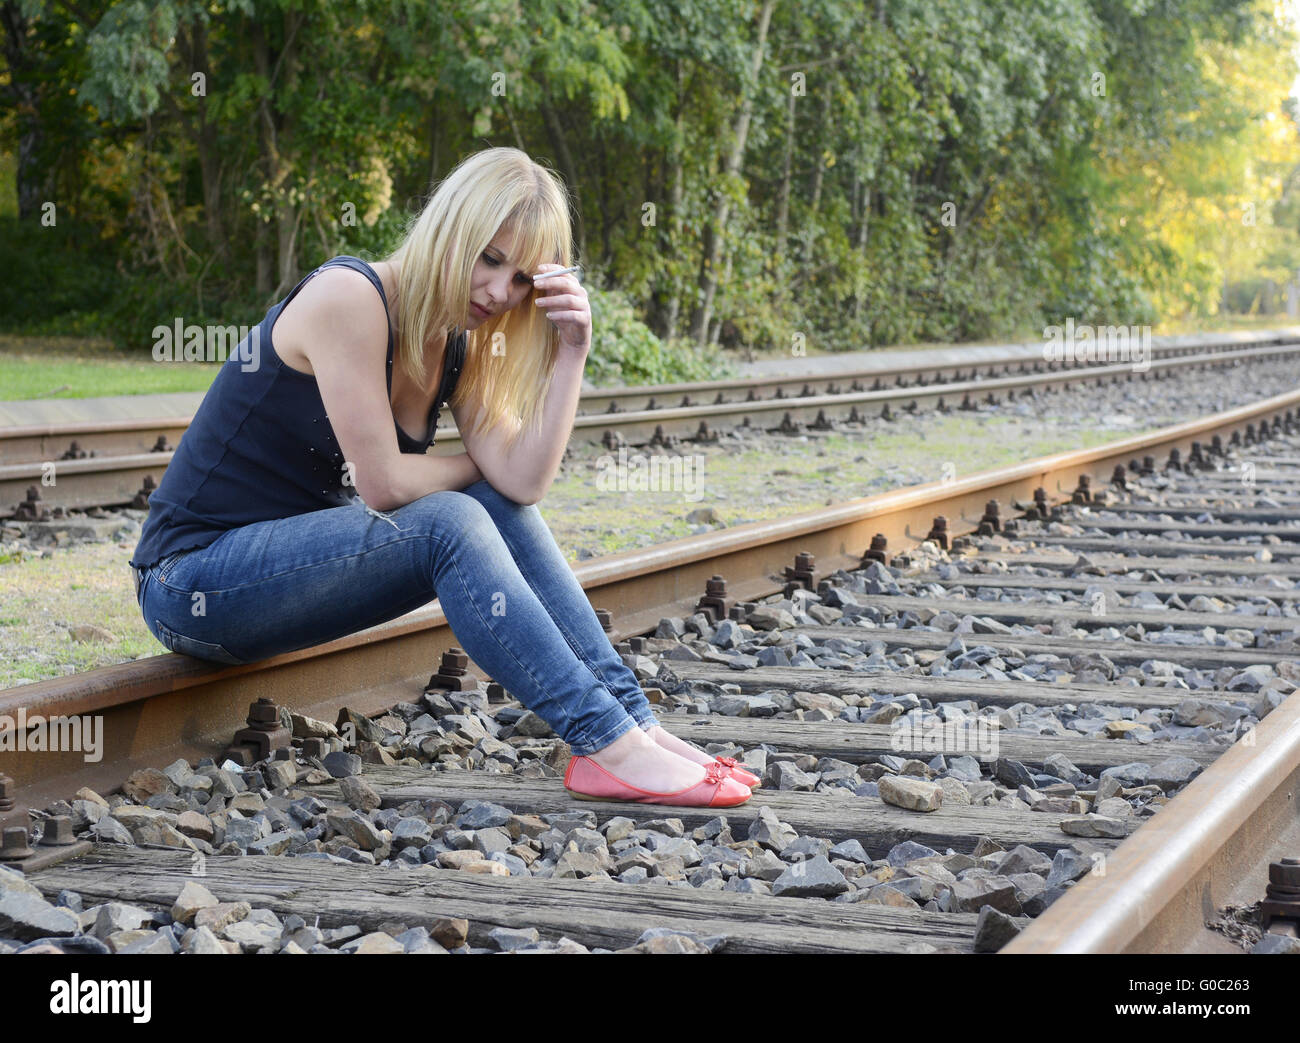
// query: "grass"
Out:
[68,367]
[35,367]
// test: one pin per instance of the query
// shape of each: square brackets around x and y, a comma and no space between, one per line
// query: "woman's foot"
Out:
[681,747]
[639,761]
[685,749]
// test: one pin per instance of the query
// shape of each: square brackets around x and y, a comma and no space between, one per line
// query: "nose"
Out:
[499,289]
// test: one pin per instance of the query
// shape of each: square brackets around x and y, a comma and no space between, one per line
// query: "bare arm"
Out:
[525,473]
[344,338]
[415,476]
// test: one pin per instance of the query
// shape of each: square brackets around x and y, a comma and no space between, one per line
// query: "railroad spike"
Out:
[31,509]
[14,845]
[1083,491]
[990,523]
[939,531]
[801,575]
[714,602]
[1282,894]
[879,544]
[453,672]
[263,734]
[607,624]
[147,488]
[12,814]
[58,832]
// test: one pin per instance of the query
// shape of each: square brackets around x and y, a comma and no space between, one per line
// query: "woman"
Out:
[298,509]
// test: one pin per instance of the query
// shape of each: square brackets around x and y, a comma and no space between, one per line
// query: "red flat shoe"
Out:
[740,774]
[587,780]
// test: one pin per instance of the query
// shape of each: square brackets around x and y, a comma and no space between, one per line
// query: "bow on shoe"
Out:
[730,762]
[715,772]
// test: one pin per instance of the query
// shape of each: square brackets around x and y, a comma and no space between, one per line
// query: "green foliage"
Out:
[910,170]
[625,351]
[57,279]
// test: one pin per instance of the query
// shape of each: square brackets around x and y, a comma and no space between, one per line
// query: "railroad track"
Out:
[982,747]
[119,462]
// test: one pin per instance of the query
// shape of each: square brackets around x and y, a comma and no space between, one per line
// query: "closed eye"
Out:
[520,278]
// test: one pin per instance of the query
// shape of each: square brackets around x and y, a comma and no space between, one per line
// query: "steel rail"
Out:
[1209,847]
[23,443]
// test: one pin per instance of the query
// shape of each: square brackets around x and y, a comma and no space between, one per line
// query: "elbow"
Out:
[522,493]
[379,491]
[524,497]
[510,485]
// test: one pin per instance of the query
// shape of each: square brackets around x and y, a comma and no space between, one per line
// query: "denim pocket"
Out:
[164,567]
[175,642]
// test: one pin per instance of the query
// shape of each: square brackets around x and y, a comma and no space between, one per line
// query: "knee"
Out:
[503,510]
[451,513]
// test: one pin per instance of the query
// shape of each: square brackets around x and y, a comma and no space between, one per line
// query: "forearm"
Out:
[538,454]
[415,475]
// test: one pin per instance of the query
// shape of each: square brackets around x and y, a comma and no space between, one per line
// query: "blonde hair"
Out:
[495,189]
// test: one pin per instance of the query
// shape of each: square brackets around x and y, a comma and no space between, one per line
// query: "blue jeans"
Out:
[512,601]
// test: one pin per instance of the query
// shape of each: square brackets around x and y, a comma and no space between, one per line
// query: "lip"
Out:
[479,312]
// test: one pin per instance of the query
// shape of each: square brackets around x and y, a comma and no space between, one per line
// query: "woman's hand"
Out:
[566,305]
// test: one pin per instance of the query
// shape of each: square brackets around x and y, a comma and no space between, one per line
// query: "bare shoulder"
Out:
[335,308]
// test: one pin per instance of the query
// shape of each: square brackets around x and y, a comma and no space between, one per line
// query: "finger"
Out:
[567,299]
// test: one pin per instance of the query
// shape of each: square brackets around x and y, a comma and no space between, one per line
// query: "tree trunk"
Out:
[24,96]
[206,139]
[433,148]
[560,145]
[677,190]
[709,263]
[273,128]
[819,174]
[783,193]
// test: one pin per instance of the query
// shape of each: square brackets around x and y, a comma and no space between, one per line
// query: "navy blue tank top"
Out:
[260,445]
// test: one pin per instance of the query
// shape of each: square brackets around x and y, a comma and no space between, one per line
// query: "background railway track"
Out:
[118,462]
[813,688]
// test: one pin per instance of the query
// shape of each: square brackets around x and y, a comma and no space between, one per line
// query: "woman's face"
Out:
[497,284]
